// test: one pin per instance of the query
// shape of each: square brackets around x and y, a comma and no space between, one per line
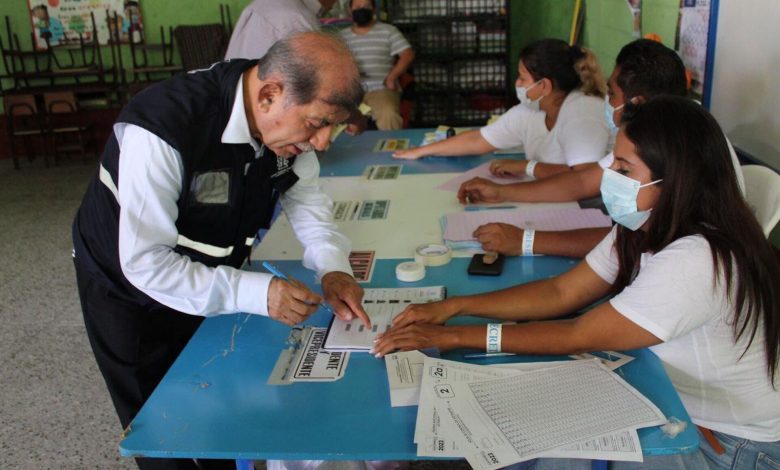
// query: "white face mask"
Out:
[522,95]
[619,193]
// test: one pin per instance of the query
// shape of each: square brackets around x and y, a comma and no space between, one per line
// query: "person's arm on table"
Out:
[150,185]
[465,143]
[563,187]
[309,211]
[508,240]
[602,328]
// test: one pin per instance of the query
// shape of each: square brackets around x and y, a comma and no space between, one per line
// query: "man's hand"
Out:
[502,238]
[391,83]
[344,294]
[290,302]
[506,167]
[479,190]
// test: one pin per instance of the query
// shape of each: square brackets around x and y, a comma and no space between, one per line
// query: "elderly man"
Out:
[191,172]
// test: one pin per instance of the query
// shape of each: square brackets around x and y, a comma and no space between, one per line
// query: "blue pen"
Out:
[472,208]
[278,273]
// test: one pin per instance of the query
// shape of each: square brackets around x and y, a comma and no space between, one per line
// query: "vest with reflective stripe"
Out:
[227,193]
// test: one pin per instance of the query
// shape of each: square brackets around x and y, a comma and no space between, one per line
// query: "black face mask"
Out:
[362,16]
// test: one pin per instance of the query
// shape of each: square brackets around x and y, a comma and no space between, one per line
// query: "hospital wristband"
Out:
[529,168]
[493,338]
[528,242]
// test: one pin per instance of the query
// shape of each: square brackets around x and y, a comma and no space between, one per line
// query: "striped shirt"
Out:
[374,52]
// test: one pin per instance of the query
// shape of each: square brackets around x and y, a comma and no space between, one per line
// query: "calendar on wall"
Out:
[62,22]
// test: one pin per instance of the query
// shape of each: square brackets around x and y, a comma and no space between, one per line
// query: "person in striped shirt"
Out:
[376,46]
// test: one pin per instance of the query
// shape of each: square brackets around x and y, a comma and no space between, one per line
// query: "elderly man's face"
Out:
[289,129]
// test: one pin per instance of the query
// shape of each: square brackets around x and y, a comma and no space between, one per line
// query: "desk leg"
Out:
[242,464]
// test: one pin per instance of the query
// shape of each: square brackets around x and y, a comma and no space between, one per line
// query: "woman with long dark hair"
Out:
[690,274]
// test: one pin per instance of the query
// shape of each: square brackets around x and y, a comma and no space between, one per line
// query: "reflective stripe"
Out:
[210,250]
[250,241]
[105,178]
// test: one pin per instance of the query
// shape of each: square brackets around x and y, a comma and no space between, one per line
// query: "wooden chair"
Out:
[69,131]
[25,124]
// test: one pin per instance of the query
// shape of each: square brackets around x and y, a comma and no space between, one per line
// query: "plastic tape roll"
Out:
[433,254]
[410,271]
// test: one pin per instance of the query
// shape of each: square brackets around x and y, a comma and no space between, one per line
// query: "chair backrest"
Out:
[200,45]
[763,195]
[61,102]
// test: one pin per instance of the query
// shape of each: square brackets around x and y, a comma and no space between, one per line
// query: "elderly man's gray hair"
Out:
[302,61]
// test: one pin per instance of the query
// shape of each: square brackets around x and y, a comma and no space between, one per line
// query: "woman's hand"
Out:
[410,154]
[415,336]
[433,312]
[480,190]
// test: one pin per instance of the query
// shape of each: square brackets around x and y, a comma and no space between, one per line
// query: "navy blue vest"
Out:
[227,193]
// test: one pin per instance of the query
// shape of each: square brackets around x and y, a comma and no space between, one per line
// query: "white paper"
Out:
[382,306]
[460,226]
[441,427]
[404,374]
[482,171]
[611,359]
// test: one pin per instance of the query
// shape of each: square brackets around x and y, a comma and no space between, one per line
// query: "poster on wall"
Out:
[692,40]
[62,22]
[635,7]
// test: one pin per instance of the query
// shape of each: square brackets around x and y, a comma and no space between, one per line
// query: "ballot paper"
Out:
[382,306]
[404,373]
[482,171]
[497,416]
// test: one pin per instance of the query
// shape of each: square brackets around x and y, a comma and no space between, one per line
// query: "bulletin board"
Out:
[62,22]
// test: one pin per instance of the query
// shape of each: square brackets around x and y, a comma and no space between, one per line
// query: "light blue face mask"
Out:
[619,193]
[609,114]
[522,95]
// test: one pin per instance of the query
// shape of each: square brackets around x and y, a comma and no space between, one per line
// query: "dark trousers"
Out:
[134,347]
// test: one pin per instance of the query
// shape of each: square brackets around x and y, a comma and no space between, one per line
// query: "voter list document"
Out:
[381,305]
[560,411]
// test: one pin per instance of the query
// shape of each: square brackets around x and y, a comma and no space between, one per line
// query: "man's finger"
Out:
[357,309]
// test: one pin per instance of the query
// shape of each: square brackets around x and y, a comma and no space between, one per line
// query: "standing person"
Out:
[383,55]
[690,274]
[263,22]
[559,121]
[192,171]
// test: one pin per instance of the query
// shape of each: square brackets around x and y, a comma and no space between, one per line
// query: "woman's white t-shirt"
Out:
[676,298]
[580,134]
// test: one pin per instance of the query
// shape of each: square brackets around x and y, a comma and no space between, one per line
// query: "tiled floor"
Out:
[56,412]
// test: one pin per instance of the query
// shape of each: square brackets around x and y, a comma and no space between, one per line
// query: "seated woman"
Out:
[690,276]
[559,121]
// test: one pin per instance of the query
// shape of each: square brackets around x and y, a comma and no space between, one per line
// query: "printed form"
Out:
[497,416]
[381,305]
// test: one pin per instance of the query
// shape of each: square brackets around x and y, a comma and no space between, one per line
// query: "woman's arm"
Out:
[465,143]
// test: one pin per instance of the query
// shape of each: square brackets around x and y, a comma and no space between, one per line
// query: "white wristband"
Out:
[528,242]
[529,168]
[493,339]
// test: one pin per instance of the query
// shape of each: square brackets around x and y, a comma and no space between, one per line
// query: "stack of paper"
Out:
[458,228]
[481,171]
[495,417]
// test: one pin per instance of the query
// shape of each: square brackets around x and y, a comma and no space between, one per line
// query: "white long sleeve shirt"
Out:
[150,178]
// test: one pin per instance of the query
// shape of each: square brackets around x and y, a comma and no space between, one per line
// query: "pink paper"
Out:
[482,171]
[461,225]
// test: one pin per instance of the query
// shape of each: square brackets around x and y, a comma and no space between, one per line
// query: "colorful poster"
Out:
[61,22]
[692,45]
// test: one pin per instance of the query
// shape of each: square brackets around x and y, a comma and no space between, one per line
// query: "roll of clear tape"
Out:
[410,271]
[433,254]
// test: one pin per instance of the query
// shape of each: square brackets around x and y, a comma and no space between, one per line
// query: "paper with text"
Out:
[381,305]
[482,171]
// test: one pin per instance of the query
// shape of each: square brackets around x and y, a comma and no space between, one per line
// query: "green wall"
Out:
[608,24]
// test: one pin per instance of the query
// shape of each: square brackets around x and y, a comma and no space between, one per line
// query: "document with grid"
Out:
[431,442]
[382,306]
[543,413]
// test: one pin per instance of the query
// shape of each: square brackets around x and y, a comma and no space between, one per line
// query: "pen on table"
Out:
[278,273]
[473,208]
[482,355]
